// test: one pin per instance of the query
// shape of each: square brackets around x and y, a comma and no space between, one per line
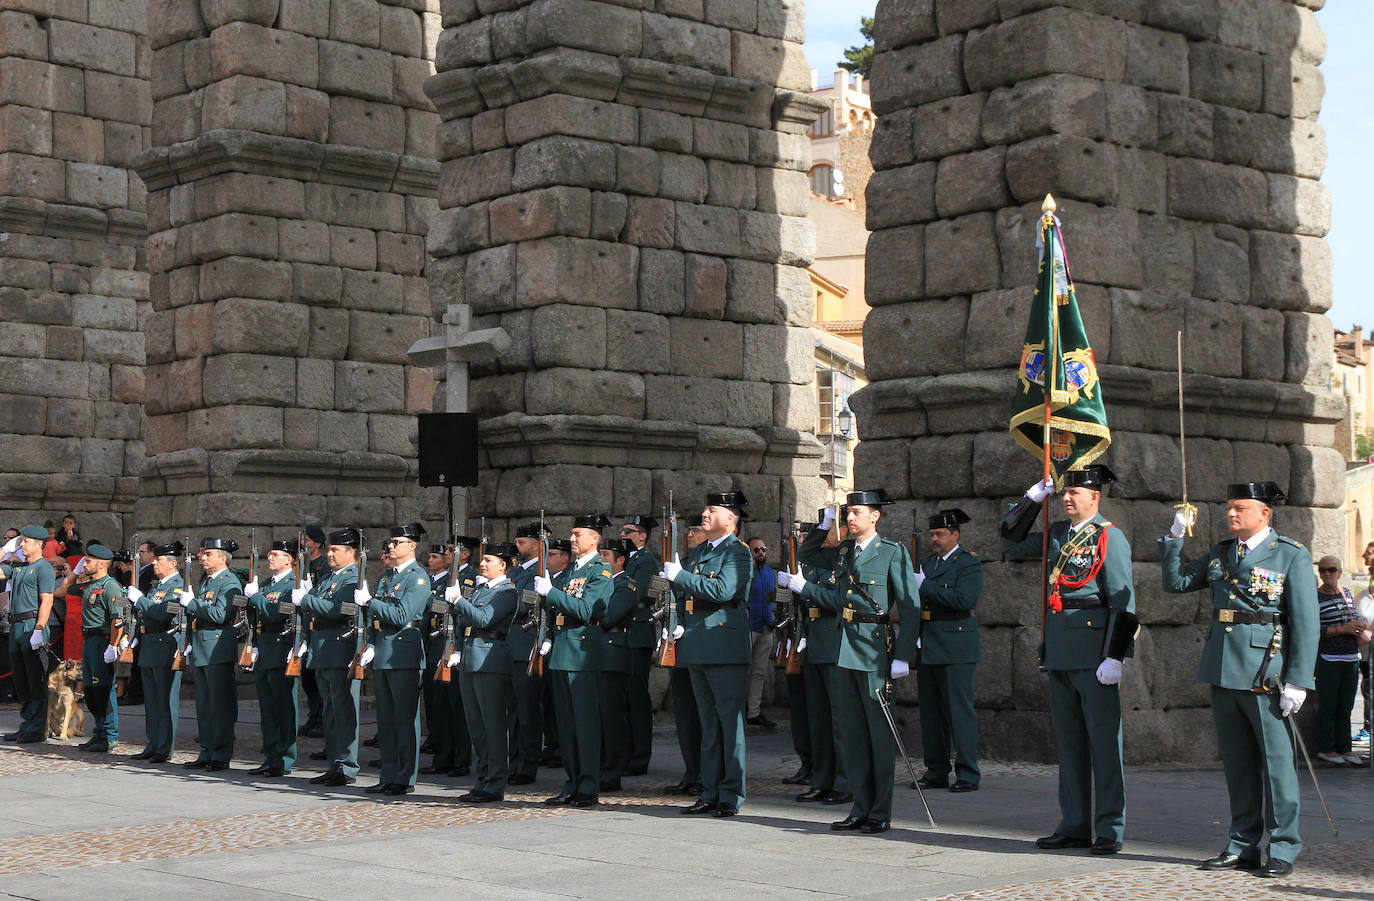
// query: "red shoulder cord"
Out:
[1061,581]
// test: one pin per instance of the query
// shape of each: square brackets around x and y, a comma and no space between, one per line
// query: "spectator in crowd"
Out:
[761,624]
[52,548]
[6,679]
[1338,662]
[69,538]
[145,557]
[1365,605]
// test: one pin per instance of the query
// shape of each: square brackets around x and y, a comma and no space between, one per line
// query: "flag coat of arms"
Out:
[1058,409]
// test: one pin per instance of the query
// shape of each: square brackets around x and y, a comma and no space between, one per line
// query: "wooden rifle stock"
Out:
[535,666]
[184,638]
[794,657]
[357,670]
[126,653]
[293,660]
[666,655]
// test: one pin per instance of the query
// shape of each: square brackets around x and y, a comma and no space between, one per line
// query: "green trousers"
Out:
[614,708]
[721,691]
[1336,684]
[641,710]
[826,770]
[161,694]
[217,710]
[526,720]
[486,702]
[448,726]
[1256,744]
[948,718]
[339,719]
[687,721]
[576,708]
[1087,732]
[800,725]
[277,714]
[99,680]
[398,724]
[867,750]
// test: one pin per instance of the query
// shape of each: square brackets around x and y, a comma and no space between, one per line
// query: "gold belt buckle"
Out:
[1226,616]
[558,620]
[467,630]
[848,614]
[689,605]
[814,612]
[925,615]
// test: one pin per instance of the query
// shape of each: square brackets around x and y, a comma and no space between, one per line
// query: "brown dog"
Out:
[66,719]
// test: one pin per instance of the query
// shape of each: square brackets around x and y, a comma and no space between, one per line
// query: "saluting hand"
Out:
[1040,490]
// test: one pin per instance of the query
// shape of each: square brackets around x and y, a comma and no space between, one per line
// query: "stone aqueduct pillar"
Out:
[1181,140]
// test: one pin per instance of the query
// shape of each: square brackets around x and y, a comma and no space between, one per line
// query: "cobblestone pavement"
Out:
[105,826]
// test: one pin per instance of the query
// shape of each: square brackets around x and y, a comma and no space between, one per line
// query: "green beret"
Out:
[99,552]
[38,533]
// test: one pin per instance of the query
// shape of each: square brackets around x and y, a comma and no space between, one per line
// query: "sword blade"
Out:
[901,747]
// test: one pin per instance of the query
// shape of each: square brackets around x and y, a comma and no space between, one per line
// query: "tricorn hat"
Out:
[620,546]
[347,537]
[287,545]
[692,520]
[175,549]
[505,550]
[735,500]
[412,530]
[528,530]
[876,497]
[437,549]
[596,521]
[561,544]
[647,523]
[949,519]
[1265,492]
[467,541]
[1094,476]
[228,545]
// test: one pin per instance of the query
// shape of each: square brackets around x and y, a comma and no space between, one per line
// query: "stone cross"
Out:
[453,349]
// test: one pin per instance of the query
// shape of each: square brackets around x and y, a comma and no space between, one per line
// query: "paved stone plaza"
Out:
[105,826]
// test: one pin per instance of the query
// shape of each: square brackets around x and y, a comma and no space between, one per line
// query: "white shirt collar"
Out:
[279,576]
[718,541]
[951,553]
[404,566]
[166,577]
[1257,539]
[859,548]
[584,559]
[1074,528]
[533,561]
[501,581]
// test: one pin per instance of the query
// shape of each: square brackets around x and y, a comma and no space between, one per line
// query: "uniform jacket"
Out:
[641,568]
[951,587]
[26,581]
[579,595]
[332,639]
[102,602]
[273,631]
[716,575]
[490,609]
[1276,577]
[620,611]
[396,615]
[159,620]
[1075,637]
[820,625]
[213,611]
[435,626]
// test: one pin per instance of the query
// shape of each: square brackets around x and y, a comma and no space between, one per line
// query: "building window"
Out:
[833,389]
[823,126]
[823,180]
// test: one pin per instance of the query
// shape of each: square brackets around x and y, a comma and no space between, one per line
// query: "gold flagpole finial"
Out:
[1049,206]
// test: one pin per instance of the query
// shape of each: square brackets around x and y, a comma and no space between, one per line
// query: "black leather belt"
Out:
[90,633]
[1082,603]
[1247,618]
[413,624]
[488,634]
[572,622]
[854,616]
[929,615]
[818,613]
[714,605]
[21,617]
[616,629]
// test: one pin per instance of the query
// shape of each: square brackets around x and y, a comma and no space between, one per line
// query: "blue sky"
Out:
[832,25]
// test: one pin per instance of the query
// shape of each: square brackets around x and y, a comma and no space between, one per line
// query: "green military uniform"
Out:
[686,717]
[214,651]
[1095,564]
[1271,588]
[395,614]
[576,605]
[715,648]
[821,630]
[484,622]
[274,635]
[333,642]
[317,569]
[102,606]
[25,582]
[881,569]
[159,634]
[448,728]
[945,670]
[527,692]
[641,567]
[613,681]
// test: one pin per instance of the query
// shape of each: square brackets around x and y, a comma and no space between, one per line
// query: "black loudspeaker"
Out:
[448,449]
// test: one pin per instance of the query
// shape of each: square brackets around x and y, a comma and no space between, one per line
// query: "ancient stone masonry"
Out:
[290,183]
[1181,139]
[623,189]
[74,112]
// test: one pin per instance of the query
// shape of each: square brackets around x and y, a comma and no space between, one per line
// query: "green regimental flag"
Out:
[1057,350]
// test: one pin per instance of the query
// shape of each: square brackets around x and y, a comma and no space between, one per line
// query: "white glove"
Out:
[455,658]
[900,669]
[920,579]
[134,645]
[828,518]
[133,594]
[298,595]
[361,596]
[36,639]
[672,569]
[368,653]
[1290,702]
[542,586]
[1109,671]
[783,579]
[801,646]
[1040,490]
[80,566]
[1182,520]
[251,588]
[300,651]
[453,593]
[253,654]
[11,547]
[186,653]
[184,598]
[545,648]
[795,581]
[307,583]
[111,654]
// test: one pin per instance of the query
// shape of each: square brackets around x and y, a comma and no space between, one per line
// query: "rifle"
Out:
[794,654]
[783,600]
[246,649]
[126,645]
[662,589]
[357,670]
[184,634]
[535,667]
[441,606]
[293,660]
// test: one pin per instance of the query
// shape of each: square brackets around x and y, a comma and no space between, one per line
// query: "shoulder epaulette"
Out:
[889,542]
[971,553]
[1293,541]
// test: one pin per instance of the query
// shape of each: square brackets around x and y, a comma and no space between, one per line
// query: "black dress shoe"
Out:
[838,798]
[30,739]
[196,764]
[696,788]
[96,746]
[636,771]
[520,779]
[680,788]
[217,766]
[321,779]
[12,736]
[849,824]
[801,777]
[928,782]
[371,742]
[375,762]
[1057,842]
[317,755]
[378,788]
[274,772]
[142,755]
[1274,868]
[337,779]
[963,785]
[609,785]
[433,770]
[558,799]
[725,810]
[1104,845]
[468,796]
[874,827]
[426,747]
[159,758]
[815,794]
[763,721]
[1228,861]
[477,796]
[697,809]
[458,772]
[396,788]
[258,770]
[584,801]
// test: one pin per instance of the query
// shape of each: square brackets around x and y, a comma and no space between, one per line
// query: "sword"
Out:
[881,694]
[1183,448]
[1307,759]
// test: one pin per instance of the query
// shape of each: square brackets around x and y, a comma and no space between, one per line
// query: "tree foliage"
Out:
[860,59]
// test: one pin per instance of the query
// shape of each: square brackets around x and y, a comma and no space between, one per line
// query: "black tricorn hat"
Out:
[596,521]
[949,519]
[528,530]
[289,545]
[467,541]
[561,544]
[622,546]
[734,500]
[876,497]
[692,520]
[347,537]
[412,530]
[647,523]
[1265,492]
[437,549]
[175,549]
[506,550]
[228,545]
[1095,476]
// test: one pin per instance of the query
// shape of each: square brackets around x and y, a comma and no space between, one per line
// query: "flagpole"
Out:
[1047,208]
